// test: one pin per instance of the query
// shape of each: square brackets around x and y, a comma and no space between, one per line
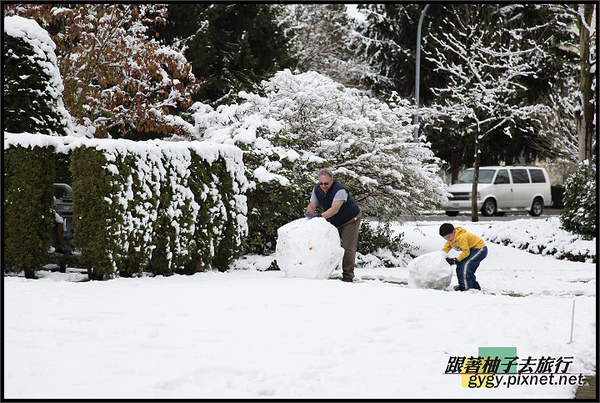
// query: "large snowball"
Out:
[430,270]
[308,248]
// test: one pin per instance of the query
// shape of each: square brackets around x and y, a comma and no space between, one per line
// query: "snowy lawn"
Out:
[253,333]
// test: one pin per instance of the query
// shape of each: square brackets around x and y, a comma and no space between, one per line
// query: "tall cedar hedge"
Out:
[91,213]
[141,212]
[28,198]
[137,207]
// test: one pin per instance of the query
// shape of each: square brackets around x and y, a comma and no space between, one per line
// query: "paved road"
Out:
[466,216]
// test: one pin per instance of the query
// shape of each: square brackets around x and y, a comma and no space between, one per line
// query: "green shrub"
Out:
[28,199]
[228,242]
[579,214]
[380,241]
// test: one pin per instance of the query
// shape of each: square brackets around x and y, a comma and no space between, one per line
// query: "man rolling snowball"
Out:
[340,209]
[473,251]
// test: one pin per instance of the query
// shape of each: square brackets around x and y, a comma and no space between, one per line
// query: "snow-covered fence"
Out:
[154,206]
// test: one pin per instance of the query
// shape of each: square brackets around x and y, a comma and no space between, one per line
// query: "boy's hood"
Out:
[459,231]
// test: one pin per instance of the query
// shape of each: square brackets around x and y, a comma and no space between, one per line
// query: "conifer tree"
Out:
[323,39]
[32,91]
[232,46]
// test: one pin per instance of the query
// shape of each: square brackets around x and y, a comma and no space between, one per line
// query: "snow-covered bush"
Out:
[280,177]
[580,200]
[368,143]
[119,80]
[542,237]
[32,97]
[304,122]
[377,242]
[280,184]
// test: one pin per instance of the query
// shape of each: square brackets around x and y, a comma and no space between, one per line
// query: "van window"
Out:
[485,176]
[519,175]
[537,176]
[502,176]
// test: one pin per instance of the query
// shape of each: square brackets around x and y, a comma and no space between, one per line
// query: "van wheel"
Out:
[488,208]
[451,213]
[537,207]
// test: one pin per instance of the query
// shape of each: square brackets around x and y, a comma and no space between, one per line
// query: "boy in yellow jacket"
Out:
[473,251]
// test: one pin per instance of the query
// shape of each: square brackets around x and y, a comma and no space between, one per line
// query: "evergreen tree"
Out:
[232,46]
[585,114]
[32,86]
[389,42]
[580,213]
[549,90]
[323,39]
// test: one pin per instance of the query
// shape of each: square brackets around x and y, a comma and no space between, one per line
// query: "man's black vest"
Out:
[349,209]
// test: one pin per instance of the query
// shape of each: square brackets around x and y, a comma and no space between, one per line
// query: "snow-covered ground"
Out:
[254,333]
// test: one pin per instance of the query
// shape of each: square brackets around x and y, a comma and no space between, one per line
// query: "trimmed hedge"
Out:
[157,206]
[91,212]
[28,199]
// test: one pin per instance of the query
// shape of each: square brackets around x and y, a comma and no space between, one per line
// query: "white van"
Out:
[501,189]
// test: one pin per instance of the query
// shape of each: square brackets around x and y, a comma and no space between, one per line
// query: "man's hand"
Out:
[312,215]
[452,261]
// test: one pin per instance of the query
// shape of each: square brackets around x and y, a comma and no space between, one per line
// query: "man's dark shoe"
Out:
[459,288]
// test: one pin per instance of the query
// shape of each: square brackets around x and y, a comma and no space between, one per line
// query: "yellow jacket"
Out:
[464,241]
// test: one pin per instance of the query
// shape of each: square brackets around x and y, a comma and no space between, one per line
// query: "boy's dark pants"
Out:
[465,269]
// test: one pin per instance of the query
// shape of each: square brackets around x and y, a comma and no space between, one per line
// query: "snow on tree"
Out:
[323,39]
[311,118]
[32,87]
[562,129]
[580,213]
[578,19]
[117,79]
[390,42]
[484,93]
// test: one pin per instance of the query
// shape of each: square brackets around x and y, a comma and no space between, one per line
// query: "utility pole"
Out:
[418,73]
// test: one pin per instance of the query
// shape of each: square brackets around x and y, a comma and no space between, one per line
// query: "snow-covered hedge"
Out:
[544,237]
[159,206]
